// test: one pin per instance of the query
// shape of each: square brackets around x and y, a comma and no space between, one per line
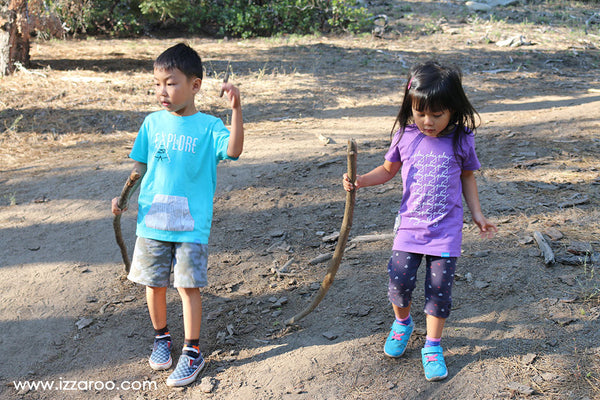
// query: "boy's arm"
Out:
[236,136]
[141,169]
[469,189]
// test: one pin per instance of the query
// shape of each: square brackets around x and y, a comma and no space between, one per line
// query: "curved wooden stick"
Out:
[122,203]
[334,263]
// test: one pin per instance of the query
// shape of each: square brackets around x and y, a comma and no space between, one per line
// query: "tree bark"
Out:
[14,37]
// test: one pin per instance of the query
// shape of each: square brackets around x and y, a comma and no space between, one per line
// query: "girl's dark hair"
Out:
[182,57]
[436,88]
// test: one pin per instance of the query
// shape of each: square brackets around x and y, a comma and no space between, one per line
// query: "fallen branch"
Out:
[575,202]
[372,238]
[122,203]
[545,248]
[334,264]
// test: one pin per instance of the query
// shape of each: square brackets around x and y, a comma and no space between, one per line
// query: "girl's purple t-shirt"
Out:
[431,211]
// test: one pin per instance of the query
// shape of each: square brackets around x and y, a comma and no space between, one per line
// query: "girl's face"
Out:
[175,92]
[431,123]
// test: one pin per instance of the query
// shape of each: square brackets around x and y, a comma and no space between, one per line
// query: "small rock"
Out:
[84,323]
[207,384]
[554,233]
[481,284]
[514,41]
[230,329]
[480,254]
[221,336]
[519,388]
[360,311]
[475,6]
[526,240]
[549,376]
[529,358]
[280,302]
[276,233]
[329,335]
[331,238]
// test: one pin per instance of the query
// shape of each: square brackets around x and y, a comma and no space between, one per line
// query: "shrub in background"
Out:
[237,18]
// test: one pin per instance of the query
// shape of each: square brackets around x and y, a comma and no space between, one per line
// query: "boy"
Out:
[177,151]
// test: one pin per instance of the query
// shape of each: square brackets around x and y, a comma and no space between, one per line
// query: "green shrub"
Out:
[237,18]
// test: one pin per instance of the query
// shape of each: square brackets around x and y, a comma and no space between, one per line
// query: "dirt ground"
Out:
[519,328]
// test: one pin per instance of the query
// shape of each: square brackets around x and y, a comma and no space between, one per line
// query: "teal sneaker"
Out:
[397,340]
[433,363]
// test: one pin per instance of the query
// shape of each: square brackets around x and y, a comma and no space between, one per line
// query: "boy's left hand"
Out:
[233,94]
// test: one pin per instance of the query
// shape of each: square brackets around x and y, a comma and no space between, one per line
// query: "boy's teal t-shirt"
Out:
[175,203]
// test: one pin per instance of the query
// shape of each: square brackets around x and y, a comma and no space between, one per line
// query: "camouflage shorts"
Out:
[153,259]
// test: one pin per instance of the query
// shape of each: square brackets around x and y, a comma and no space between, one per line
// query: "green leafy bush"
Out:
[237,18]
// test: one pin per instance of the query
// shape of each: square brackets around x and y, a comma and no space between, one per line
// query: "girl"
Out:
[434,147]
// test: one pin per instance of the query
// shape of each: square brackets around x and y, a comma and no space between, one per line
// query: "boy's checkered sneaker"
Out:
[187,370]
[161,353]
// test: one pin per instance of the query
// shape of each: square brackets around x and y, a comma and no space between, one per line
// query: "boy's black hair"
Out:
[436,88]
[182,57]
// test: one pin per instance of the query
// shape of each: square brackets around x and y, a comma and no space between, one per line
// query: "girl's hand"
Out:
[115,207]
[487,230]
[349,186]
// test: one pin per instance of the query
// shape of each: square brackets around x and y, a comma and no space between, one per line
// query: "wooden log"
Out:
[545,248]
[341,243]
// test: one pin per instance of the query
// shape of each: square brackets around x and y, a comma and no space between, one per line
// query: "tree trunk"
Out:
[14,37]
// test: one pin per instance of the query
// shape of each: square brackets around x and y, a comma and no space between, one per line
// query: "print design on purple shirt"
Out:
[430,187]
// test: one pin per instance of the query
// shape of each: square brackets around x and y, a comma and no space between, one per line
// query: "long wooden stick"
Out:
[122,203]
[334,263]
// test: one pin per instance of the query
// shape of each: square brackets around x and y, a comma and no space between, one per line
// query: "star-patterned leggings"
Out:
[439,277]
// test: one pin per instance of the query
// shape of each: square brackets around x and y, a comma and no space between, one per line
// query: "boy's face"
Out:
[175,92]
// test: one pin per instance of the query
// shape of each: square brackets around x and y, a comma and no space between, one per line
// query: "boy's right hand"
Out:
[233,94]
[115,207]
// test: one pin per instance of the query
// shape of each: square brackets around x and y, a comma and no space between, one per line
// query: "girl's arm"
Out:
[469,189]
[236,136]
[377,176]
[139,167]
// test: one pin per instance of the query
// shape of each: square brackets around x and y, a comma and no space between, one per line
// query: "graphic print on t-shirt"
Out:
[430,183]
[161,148]
[166,142]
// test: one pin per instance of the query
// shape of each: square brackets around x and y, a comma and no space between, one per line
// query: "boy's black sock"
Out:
[191,348]
[163,332]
